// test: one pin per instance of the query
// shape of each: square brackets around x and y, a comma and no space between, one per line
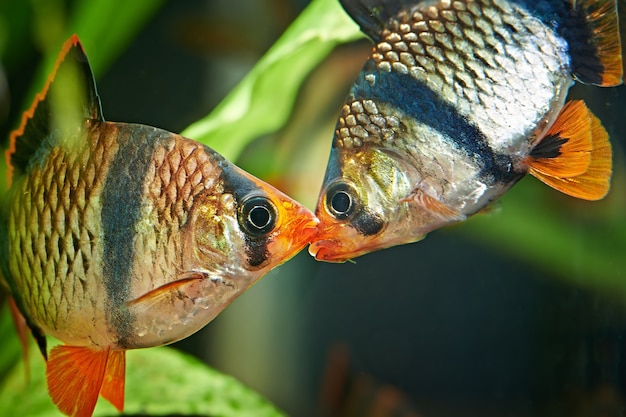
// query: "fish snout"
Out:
[299,230]
[308,229]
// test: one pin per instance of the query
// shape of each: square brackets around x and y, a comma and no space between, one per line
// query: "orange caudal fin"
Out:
[75,376]
[114,377]
[575,156]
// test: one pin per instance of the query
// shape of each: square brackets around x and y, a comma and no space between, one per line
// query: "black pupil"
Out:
[259,216]
[341,202]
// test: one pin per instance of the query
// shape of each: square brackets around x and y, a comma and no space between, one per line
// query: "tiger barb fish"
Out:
[121,236]
[458,100]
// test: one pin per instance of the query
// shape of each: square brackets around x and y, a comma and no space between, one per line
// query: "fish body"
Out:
[457,102]
[123,236]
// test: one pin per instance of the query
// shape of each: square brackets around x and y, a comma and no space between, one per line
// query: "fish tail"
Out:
[76,375]
[67,99]
[575,155]
[595,44]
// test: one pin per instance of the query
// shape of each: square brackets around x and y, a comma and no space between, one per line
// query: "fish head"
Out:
[250,227]
[365,203]
[237,231]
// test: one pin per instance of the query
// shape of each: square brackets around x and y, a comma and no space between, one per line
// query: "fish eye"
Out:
[341,200]
[257,216]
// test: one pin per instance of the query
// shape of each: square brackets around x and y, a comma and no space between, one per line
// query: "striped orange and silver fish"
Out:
[120,236]
[458,100]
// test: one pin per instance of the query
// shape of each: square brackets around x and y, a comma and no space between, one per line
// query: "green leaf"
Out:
[92,21]
[159,381]
[262,102]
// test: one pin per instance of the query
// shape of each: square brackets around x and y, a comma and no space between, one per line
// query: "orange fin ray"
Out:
[565,150]
[114,377]
[602,21]
[75,376]
[594,183]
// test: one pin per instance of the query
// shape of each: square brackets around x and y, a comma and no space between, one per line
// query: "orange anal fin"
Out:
[433,205]
[603,36]
[114,377]
[565,150]
[75,376]
[594,183]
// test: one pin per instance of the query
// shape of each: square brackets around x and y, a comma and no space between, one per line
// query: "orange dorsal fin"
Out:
[114,377]
[75,376]
[69,94]
[597,52]
[559,167]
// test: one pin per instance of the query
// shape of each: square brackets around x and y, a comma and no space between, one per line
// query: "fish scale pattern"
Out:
[56,229]
[361,122]
[494,62]
[181,170]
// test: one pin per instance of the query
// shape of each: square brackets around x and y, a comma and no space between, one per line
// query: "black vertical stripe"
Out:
[122,197]
[416,100]
[242,188]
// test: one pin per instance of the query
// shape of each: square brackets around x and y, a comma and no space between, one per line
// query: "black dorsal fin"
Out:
[373,15]
[68,98]
[595,43]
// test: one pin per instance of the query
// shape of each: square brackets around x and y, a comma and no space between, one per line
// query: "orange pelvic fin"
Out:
[575,155]
[114,377]
[75,377]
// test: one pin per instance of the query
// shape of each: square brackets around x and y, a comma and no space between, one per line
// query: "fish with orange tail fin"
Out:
[459,100]
[121,236]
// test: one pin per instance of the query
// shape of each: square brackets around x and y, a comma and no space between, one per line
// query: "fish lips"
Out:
[295,235]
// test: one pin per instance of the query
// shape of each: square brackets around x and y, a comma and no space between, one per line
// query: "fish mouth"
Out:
[307,230]
[326,250]
[301,234]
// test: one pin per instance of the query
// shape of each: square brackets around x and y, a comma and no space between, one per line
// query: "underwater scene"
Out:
[514,307]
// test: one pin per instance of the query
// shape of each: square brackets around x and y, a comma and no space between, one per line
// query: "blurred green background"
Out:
[519,312]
